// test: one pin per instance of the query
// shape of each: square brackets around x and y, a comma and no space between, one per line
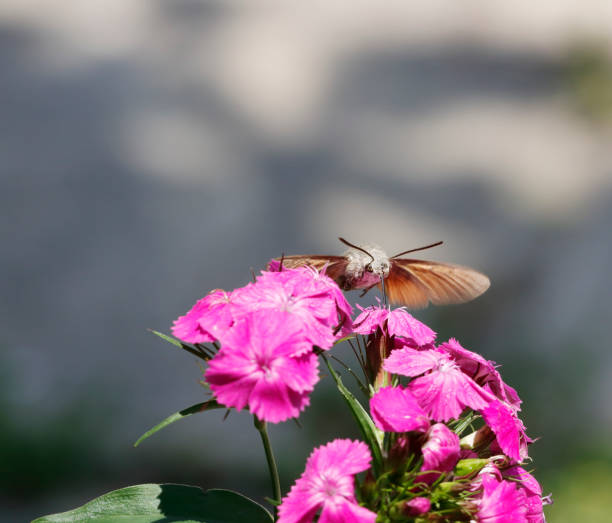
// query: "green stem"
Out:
[263,431]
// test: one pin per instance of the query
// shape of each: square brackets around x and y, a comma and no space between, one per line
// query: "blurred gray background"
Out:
[153,150]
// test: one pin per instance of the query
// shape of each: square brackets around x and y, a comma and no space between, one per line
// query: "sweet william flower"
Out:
[327,485]
[303,293]
[482,371]
[313,298]
[319,285]
[440,386]
[263,364]
[397,322]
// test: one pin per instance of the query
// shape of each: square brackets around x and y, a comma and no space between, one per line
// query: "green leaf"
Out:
[169,339]
[349,337]
[180,345]
[165,502]
[371,434]
[198,407]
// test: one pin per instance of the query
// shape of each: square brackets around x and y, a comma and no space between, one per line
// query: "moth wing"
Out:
[414,283]
[335,264]
[404,288]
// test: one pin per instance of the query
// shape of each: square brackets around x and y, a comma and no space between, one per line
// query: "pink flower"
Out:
[501,502]
[482,371]
[418,506]
[397,322]
[302,292]
[206,319]
[533,492]
[263,364]
[314,298]
[440,452]
[318,284]
[327,484]
[395,409]
[508,429]
[440,388]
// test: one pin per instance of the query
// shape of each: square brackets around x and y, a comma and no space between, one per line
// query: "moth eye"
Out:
[369,268]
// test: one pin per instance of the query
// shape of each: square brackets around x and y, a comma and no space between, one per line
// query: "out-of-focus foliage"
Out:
[580,491]
[589,70]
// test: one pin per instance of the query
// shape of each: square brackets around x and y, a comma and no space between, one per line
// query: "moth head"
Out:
[379,267]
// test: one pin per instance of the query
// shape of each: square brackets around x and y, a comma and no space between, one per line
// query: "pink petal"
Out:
[346,512]
[231,365]
[256,367]
[411,362]
[296,292]
[352,456]
[270,329]
[444,393]
[395,409]
[397,322]
[370,319]
[482,371]
[533,492]
[470,362]
[231,393]
[508,428]
[273,401]
[300,373]
[401,323]
[441,450]
[502,502]
[188,327]
[299,506]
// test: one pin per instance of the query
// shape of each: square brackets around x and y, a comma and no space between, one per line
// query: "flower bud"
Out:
[467,467]
[479,440]
[440,452]
[417,506]
[377,349]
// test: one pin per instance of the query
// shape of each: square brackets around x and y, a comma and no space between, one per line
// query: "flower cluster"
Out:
[449,388]
[450,441]
[267,331]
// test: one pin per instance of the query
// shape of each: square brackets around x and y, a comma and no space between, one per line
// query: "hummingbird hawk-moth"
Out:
[405,281]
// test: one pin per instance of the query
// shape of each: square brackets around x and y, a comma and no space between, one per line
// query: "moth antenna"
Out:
[418,249]
[356,247]
[253,275]
[280,267]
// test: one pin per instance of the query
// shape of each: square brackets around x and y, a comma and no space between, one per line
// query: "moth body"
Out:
[363,270]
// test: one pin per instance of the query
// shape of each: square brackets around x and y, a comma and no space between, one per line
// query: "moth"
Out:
[405,281]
